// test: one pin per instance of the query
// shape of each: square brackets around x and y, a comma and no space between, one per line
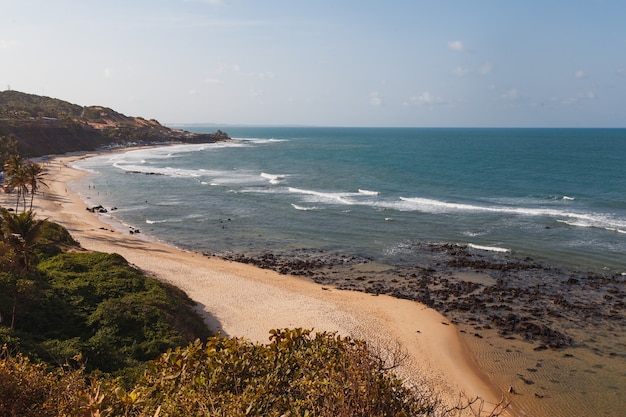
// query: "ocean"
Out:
[557,195]
[541,211]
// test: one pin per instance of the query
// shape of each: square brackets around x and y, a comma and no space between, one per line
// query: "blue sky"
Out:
[328,63]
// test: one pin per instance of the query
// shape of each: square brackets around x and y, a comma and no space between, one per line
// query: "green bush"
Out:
[54,239]
[97,305]
[296,374]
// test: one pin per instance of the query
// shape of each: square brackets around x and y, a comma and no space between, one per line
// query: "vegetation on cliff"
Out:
[296,374]
[56,304]
[42,125]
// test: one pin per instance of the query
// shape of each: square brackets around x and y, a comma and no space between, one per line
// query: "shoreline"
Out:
[246,301]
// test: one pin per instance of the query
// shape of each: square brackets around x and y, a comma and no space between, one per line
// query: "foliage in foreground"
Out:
[296,374]
[96,305]
[55,305]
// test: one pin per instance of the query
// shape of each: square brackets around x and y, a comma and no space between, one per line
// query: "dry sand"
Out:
[245,301]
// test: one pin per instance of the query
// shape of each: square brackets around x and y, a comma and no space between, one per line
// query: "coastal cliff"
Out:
[43,125]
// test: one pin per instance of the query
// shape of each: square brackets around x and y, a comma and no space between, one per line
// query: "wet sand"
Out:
[554,339]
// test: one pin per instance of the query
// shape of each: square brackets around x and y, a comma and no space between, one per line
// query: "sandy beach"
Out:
[244,301]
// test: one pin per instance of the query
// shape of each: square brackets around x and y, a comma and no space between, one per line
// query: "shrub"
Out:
[28,389]
[297,374]
[97,305]
[53,239]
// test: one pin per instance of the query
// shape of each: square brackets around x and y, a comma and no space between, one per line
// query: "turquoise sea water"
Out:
[557,195]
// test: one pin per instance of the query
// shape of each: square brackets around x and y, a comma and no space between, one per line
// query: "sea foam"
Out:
[302,208]
[148,221]
[367,192]
[488,248]
[272,178]
[322,197]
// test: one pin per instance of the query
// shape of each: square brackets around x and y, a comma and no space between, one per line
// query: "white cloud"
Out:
[580,74]
[238,71]
[456,46]
[486,68]
[460,71]
[425,99]
[256,92]
[375,99]
[591,95]
[588,95]
[226,70]
[7,44]
[107,73]
[511,94]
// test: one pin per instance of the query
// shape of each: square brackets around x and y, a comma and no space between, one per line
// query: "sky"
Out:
[404,63]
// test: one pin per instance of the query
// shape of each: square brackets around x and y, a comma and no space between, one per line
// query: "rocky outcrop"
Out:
[517,297]
[43,125]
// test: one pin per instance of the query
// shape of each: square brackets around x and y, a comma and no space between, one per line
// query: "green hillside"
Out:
[44,125]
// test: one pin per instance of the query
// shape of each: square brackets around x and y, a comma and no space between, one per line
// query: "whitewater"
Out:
[555,194]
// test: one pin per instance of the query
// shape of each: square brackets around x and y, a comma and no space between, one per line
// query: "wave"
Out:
[261,141]
[425,205]
[566,198]
[470,233]
[346,198]
[367,192]
[167,171]
[165,152]
[438,206]
[302,208]
[208,177]
[597,220]
[583,223]
[173,151]
[272,178]
[76,165]
[488,248]
[148,221]
[321,197]
[237,178]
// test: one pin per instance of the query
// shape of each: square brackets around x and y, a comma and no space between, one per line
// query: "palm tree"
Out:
[20,233]
[13,165]
[8,147]
[33,174]
[14,170]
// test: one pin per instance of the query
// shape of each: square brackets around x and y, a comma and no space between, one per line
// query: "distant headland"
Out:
[43,125]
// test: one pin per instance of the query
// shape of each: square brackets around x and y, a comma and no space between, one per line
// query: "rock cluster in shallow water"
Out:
[519,297]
